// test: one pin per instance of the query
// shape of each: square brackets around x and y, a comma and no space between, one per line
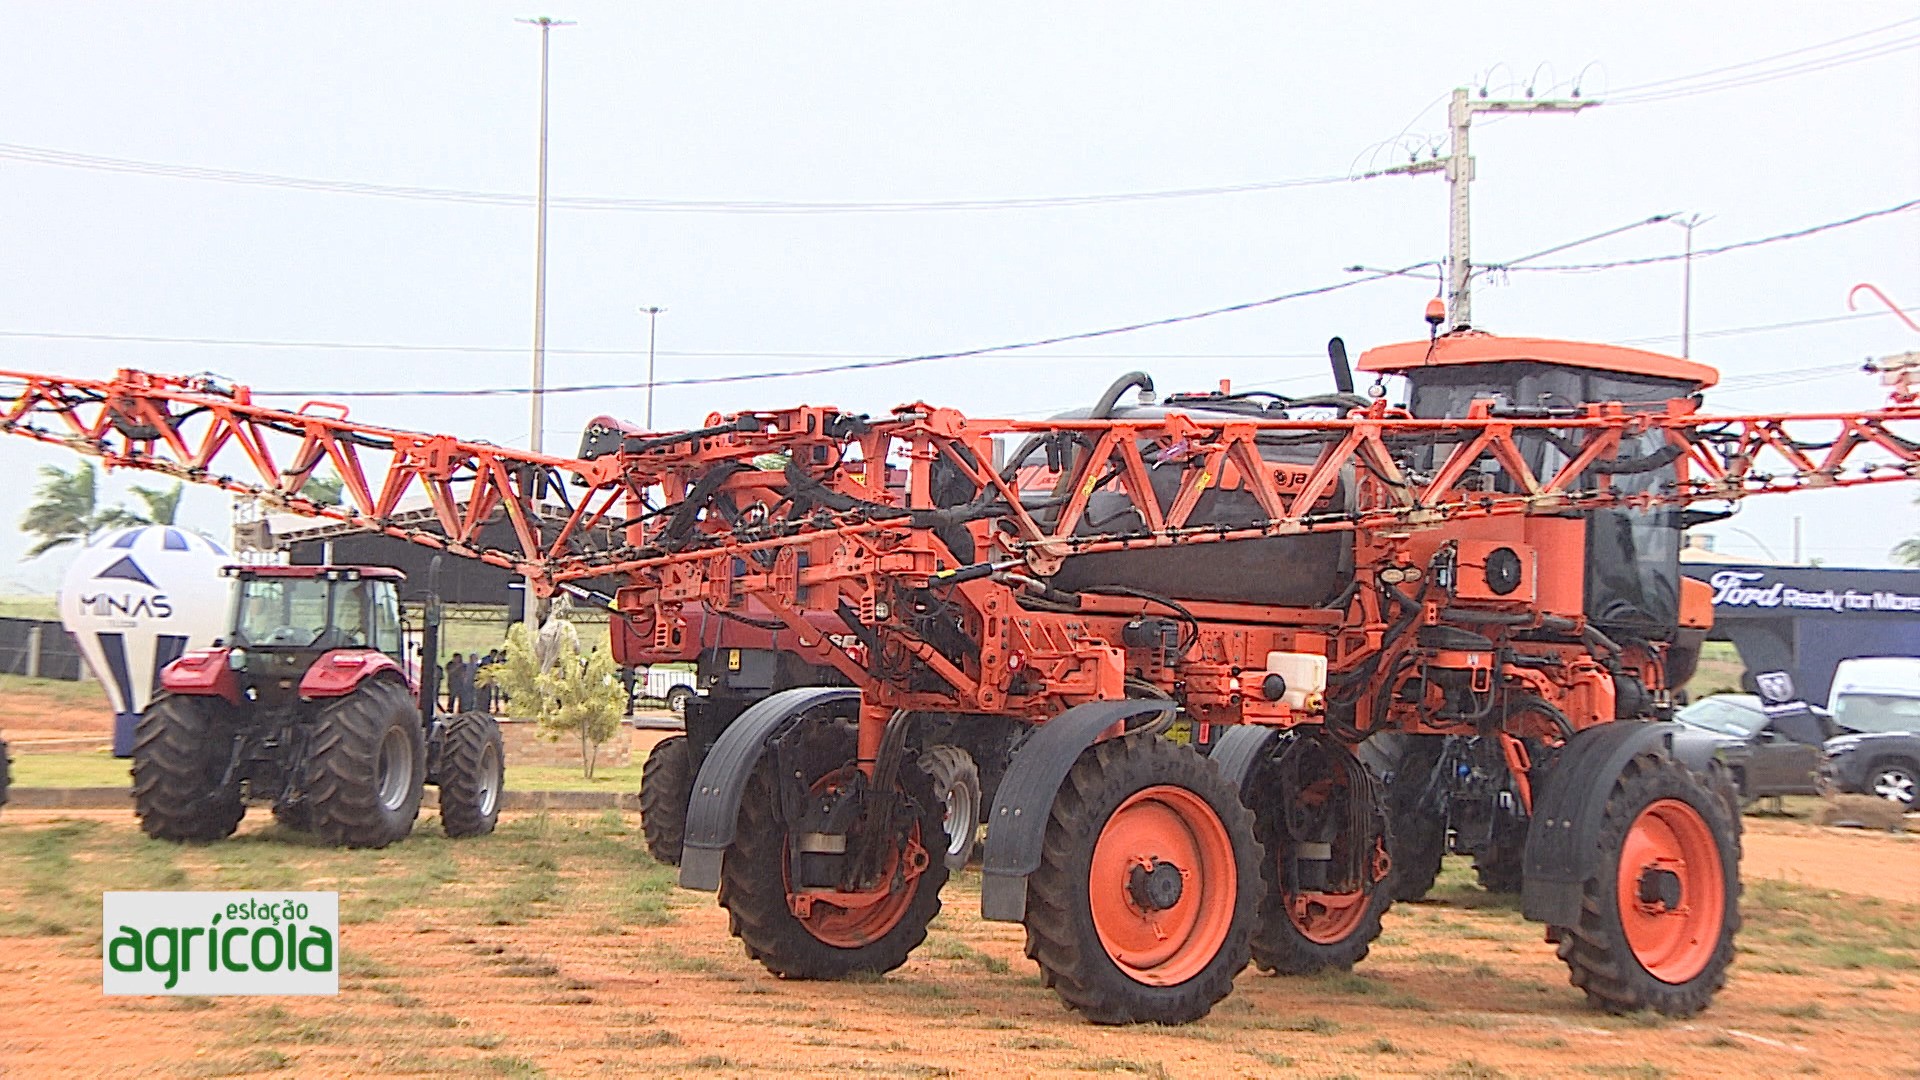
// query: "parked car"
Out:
[1876,704]
[1736,731]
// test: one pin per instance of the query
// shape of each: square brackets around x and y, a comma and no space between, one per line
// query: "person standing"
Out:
[463,687]
[457,674]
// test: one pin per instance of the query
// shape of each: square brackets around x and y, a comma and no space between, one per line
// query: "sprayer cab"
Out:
[1531,376]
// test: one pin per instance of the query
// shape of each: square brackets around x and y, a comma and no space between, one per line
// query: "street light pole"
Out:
[653,321]
[1686,284]
[538,418]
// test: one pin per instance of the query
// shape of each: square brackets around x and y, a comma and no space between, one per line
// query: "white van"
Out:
[1876,704]
[1876,694]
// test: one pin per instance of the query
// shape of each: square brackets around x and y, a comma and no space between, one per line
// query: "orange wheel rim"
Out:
[1163,885]
[1327,918]
[1672,891]
[869,915]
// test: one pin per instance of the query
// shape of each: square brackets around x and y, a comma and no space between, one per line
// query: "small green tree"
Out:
[327,490]
[576,696]
[1907,552]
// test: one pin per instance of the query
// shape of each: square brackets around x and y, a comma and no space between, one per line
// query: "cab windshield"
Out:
[314,613]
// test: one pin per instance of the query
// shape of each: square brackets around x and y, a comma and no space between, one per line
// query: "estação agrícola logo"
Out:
[213,943]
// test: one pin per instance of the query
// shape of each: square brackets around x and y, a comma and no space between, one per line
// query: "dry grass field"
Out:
[557,948]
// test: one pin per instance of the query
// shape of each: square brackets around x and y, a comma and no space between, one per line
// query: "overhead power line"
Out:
[827,369]
[1640,88]
[1763,328]
[1701,83]
[1721,250]
[66,159]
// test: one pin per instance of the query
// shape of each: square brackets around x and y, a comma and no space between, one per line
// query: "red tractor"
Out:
[308,703]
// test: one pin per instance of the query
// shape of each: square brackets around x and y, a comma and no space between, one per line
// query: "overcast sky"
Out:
[904,103]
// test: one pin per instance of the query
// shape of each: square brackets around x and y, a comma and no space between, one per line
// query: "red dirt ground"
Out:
[1458,987]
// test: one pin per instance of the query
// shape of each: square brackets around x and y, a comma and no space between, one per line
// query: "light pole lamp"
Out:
[653,322]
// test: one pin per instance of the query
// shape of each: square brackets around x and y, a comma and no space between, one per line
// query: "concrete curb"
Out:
[114,798]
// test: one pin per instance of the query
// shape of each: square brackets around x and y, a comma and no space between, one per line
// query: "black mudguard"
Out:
[1018,822]
[1239,750]
[714,810]
[1567,812]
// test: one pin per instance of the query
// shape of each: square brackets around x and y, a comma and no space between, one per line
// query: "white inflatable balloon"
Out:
[134,600]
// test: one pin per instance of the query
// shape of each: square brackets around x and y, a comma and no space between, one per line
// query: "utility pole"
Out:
[653,320]
[1458,165]
[539,417]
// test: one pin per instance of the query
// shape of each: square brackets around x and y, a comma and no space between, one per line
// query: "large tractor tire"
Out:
[1404,764]
[666,783]
[1499,867]
[956,783]
[830,941]
[472,774]
[1149,885]
[297,816]
[6,772]
[366,766]
[1307,801]
[1662,899]
[181,749]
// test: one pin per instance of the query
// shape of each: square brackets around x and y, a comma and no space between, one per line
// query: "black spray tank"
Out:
[1308,570]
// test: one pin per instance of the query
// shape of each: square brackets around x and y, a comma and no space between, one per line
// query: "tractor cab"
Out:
[286,618]
[1632,577]
[1531,376]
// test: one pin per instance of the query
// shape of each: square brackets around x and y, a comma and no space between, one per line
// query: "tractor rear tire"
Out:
[1118,940]
[1661,904]
[833,943]
[473,773]
[666,785]
[181,749]
[956,783]
[1311,937]
[1499,868]
[6,772]
[297,816]
[366,766]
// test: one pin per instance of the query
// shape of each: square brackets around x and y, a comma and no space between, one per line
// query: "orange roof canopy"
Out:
[1477,348]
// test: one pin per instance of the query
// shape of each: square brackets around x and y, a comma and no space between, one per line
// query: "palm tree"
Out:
[162,506]
[66,509]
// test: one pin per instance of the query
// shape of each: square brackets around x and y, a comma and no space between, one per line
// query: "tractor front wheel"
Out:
[472,774]
[1144,902]
[1322,819]
[181,750]
[666,784]
[956,783]
[864,927]
[366,764]
[1662,900]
